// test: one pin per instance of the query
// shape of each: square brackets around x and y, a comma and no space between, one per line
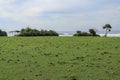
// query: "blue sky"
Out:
[59,15]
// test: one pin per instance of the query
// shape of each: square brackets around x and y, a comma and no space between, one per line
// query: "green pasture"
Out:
[59,58]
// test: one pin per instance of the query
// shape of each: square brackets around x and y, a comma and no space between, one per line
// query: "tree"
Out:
[92,32]
[107,27]
[34,32]
[3,33]
[16,32]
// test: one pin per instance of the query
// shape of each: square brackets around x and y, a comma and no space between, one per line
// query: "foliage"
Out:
[3,33]
[79,33]
[59,58]
[34,32]
[107,27]
[92,33]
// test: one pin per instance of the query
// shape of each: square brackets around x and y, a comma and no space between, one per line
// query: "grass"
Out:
[59,58]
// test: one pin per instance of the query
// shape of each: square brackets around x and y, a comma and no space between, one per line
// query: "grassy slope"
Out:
[59,58]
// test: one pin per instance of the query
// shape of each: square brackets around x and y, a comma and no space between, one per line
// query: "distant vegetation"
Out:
[34,32]
[3,33]
[92,32]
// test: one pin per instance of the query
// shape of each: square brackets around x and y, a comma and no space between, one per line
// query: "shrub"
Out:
[92,33]
[79,33]
[3,33]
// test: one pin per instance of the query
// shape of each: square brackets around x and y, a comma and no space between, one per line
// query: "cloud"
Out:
[34,8]
[37,7]
[67,13]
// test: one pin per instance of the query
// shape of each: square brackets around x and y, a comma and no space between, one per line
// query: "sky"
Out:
[59,15]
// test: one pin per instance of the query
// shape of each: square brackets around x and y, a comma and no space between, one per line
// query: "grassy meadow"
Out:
[59,58]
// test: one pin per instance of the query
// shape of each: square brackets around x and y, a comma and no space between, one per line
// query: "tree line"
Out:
[34,32]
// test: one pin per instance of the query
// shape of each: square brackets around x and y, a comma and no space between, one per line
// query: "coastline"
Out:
[109,35]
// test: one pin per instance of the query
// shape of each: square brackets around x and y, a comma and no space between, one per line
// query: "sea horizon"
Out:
[101,33]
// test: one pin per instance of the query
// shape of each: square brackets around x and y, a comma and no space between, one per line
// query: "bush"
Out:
[79,33]
[3,33]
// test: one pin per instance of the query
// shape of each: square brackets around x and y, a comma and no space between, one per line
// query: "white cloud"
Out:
[60,12]
[35,7]
[32,8]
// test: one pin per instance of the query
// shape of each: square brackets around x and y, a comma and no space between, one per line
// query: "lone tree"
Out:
[16,32]
[107,27]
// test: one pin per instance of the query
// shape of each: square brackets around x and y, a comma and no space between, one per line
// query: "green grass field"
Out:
[59,58]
